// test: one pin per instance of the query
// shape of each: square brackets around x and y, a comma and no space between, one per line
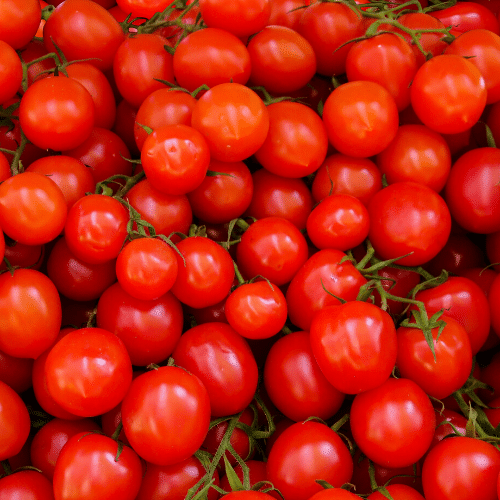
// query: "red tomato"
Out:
[11,71]
[341,174]
[16,372]
[88,371]
[50,439]
[305,452]
[386,59]
[142,8]
[393,424]
[296,144]
[163,107]
[30,313]
[83,29]
[314,285]
[256,310]
[339,221]
[166,414]
[408,218]
[240,17]
[471,191]
[397,492]
[361,118]
[273,248]
[91,464]
[355,345]
[175,158]
[282,60]
[448,94]
[57,113]
[26,484]
[448,422]
[33,209]
[223,361]
[334,494]
[205,272]
[286,13]
[295,383]
[209,57]
[419,154]
[244,117]
[146,268]
[460,468]
[224,194]
[14,420]
[20,24]
[155,63]
[149,329]
[96,228]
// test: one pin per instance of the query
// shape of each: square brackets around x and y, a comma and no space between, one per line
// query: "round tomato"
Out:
[166,414]
[11,71]
[142,8]
[26,484]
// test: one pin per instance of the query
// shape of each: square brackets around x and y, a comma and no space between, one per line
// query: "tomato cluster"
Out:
[250,250]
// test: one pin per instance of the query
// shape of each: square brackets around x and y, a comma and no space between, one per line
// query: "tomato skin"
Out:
[408,217]
[83,29]
[19,23]
[11,70]
[16,372]
[305,294]
[398,492]
[149,329]
[273,248]
[211,56]
[354,345]
[87,466]
[96,228]
[334,494]
[460,468]
[30,313]
[244,115]
[208,275]
[453,358]
[223,361]
[472,192]
[33,209]
[304,452]
[29,484]
[141,8]
[393,424]
[166,414]
[367,125]
[295,383]
[281,60]
[88,371]
[448,94]
[15,422]
[296,143]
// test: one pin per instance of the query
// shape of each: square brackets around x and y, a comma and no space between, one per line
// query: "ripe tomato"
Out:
[286,13]
[361,118]
[460,468]
[33,209]
[141,8]
[397,492]
[26,484]
[355,345]
[83,29]
[273,248]
[393,424]
[149,329]
[305,452]
[175,158]
[408,218]
[96,228]
[448,94]
[256,310]
[88,371]
[209,57]
[244,118]
[15,422]
[30,313]
[166,414]
[313,286]
[223,361]
[57,113]
[11,71]
[91,465]
[294,382]
[296,144]
[205,272]
[282,60]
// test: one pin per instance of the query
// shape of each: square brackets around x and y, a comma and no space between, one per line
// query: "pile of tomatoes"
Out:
[249,250]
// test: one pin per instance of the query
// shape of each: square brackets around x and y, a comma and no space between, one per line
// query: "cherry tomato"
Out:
[166,414]
[26,484]
[286,13]
[397,492]
[393,424]
[141,8]
[11,71]
[223,361]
